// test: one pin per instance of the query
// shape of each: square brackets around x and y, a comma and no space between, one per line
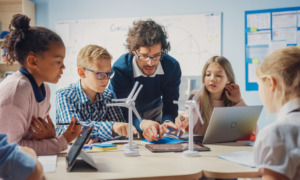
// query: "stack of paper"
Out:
[103,147]
[244,158]
[48,163]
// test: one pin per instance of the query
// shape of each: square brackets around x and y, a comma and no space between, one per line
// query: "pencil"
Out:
[179,129]
[77,123]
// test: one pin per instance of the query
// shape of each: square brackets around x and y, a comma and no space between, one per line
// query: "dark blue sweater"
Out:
[156,90]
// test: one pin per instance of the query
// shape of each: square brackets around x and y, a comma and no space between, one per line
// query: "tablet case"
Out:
[174,147]
[76,153]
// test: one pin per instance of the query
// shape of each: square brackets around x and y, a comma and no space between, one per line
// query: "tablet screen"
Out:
[78,144]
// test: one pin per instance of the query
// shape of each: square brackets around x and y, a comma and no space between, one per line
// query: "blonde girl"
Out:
[220,91]
[277,147]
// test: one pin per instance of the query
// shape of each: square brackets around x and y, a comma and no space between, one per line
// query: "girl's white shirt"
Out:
[277,146]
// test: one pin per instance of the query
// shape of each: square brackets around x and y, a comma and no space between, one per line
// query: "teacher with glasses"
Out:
[148,62]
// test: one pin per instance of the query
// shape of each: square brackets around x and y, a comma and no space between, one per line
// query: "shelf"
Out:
[8,8]
[10,1]
[5,63]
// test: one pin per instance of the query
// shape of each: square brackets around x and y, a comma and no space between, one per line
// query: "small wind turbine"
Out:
[129,103]
[192,104]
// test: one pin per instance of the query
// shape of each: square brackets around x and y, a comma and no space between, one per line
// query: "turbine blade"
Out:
[195,98]
[179,102]
[117,104]
[133,90]
[137,92]
[199,114]
[136,113]
[122,99]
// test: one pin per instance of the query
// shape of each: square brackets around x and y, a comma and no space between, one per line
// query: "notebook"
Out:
[76,155]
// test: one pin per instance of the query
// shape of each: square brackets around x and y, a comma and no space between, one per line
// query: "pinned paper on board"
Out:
[251,73]
[259,38]
[266,31]
[298,35]
[260,21]
[284,19]
[274,45]
[298,17]
[256,52]
[287,34]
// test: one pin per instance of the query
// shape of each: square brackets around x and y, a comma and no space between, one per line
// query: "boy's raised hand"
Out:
[41,129]
[123,129]
[233,93]
[73,131]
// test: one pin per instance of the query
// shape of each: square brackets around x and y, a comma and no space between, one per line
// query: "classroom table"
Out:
[114,165]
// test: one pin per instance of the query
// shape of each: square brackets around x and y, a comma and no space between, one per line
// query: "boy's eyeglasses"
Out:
[147,58]
[102,75]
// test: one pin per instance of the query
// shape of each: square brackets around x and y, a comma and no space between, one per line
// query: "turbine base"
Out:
[131,153]
[134,146]
[190,153]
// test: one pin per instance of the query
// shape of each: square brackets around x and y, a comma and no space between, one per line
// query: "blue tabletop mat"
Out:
[166,140]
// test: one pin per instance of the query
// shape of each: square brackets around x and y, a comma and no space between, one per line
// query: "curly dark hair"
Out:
[24,39]
[147,33]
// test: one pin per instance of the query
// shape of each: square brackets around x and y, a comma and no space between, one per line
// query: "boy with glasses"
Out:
[147,62]
[86,100]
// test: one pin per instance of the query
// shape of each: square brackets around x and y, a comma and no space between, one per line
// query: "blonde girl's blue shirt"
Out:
[73,102]
[14,163]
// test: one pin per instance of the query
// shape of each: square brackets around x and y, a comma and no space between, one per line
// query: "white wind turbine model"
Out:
[129,103]
[192,104]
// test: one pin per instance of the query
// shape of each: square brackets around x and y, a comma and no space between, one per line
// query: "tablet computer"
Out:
[174,147]
[75,150]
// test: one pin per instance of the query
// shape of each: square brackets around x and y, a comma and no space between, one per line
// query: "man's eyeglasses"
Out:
[147,58]
[102,75]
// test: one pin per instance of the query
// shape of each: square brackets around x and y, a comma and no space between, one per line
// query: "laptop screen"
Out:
[231,123]
[78,144]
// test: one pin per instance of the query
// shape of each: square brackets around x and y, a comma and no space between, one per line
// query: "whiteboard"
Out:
[193,38]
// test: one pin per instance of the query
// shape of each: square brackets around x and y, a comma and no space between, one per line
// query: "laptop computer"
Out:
[228,124]
[76,155]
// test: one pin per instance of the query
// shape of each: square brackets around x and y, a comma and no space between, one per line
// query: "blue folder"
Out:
[166,140]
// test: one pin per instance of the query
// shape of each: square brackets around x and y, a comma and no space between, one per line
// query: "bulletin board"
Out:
[266,31]
[193,38]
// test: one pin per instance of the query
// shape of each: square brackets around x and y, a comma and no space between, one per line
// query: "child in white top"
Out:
[277,147]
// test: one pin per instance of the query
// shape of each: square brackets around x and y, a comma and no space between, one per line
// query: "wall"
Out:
[233,41]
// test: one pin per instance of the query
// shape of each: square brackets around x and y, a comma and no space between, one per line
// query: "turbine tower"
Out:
[129,103]
[192,104]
